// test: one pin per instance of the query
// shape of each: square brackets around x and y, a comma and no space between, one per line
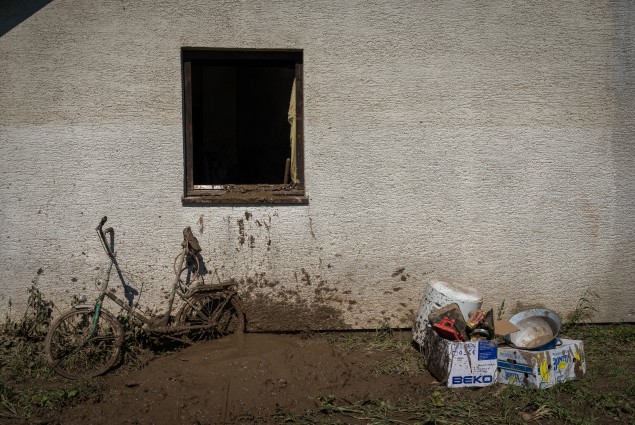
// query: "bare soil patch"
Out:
[247,378]
[315,378]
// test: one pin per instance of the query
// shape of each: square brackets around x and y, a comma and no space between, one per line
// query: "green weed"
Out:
[7,408]
[28,387]
[21,345]
[501,311]
[36,319]
[584,310]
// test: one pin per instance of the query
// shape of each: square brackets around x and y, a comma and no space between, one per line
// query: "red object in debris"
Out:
[447,329]
[475,319]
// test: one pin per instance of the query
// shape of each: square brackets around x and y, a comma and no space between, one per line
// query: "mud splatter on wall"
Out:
[498,151]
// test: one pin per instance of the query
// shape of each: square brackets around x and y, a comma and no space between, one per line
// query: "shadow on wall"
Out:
[14,12]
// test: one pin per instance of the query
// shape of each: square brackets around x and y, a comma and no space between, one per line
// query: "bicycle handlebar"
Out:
[101,223]
[102,236]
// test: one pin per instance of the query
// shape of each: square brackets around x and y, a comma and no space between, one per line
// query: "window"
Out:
[243,126]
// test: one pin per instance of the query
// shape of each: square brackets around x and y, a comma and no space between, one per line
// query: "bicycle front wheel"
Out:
[77,346]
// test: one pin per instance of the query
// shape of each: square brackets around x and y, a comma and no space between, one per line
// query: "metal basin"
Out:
[538,327]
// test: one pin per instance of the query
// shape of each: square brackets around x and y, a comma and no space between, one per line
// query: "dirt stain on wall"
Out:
[398,272]
[201,224]
[241,232]
[270,305]
[271,314]
[592,220]
[305,277]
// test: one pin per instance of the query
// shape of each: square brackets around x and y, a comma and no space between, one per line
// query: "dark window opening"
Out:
[243,126]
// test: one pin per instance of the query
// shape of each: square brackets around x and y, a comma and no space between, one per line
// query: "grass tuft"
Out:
[29,390]
[584,310]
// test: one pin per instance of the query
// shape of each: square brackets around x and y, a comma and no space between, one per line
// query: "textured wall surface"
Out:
[490,142]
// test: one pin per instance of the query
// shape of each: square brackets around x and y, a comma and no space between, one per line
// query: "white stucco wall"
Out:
[490,142]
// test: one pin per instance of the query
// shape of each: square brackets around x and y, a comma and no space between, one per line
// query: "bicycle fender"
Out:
[210,290]
[224,287]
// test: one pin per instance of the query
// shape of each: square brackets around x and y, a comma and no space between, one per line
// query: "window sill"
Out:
[248,195]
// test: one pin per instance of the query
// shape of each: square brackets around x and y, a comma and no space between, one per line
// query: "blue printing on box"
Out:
[487,350]
[523,368]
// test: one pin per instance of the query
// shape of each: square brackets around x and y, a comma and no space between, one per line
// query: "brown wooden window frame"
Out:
[241,193]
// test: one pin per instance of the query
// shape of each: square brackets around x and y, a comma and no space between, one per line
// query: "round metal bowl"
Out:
[538,328]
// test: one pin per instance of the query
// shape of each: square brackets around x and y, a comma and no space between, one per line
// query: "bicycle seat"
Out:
[190,241]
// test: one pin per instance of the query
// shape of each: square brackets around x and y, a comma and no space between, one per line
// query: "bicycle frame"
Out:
[96,335]
[163,323]
[103,289]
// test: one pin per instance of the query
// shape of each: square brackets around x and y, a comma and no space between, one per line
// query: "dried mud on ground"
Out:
[315,378]
[248,378]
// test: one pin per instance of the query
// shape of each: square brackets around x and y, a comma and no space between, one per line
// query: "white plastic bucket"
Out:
[440,292]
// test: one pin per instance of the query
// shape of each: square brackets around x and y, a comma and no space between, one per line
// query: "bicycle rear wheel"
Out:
[76,349]
[219,314]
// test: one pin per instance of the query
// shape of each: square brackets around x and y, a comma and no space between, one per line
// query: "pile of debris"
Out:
[463,346]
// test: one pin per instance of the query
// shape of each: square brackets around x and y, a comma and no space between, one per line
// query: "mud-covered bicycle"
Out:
[86,341]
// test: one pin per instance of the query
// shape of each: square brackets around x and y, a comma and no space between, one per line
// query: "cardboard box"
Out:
[541,369]
[460,364]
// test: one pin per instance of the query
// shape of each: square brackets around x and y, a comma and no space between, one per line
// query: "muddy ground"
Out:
[243,379]
[312,378]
